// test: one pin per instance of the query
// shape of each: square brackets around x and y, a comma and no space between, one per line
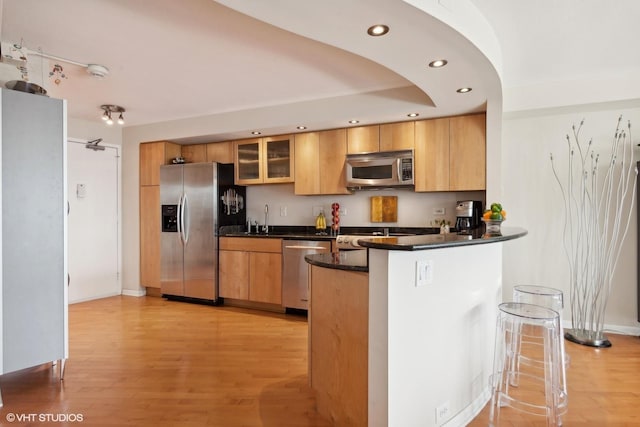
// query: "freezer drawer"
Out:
[295,270]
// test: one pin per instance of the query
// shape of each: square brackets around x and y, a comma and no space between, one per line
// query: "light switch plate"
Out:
[424,272]
[81,191]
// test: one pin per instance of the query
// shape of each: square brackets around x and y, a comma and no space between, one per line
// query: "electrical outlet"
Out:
[439,211]
[424,272]
[343,211]
[443,412]
[283,211]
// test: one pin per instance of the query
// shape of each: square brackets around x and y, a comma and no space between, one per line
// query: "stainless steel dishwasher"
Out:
[295,270]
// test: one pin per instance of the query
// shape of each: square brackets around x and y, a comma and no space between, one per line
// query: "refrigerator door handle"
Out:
[179,219]
[185,219]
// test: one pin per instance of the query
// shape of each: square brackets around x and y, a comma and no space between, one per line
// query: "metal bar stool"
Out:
[533,332]
[551,298]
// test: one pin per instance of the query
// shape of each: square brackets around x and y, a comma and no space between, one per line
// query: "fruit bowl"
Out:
[493,226]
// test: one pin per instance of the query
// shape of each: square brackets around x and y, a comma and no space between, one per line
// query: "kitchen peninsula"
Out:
[402,334]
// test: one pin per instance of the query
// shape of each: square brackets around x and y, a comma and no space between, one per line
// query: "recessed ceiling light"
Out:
[353,122]
[255,132]
[302,127]
[377,30]
[464,90]
[438,63]
[413,115]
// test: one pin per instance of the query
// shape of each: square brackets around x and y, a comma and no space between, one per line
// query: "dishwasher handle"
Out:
[319,248]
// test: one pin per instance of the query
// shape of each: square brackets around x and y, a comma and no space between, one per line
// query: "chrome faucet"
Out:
[266,219]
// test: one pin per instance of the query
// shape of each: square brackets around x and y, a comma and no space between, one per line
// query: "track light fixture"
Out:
[108,109]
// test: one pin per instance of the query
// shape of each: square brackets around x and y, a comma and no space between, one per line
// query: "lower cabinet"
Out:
[251,269]
[234,274]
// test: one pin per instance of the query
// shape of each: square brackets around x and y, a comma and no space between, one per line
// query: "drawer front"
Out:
[251,244]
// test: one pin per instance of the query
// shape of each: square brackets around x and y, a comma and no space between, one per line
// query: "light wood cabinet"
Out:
[385,137]
[363,139]
[397,136]
[268,160]
[234,274]
[431,155]
[251,269]
[307,174]
[319,158]
[467,153]
[265,277]
[152,156]
[221,152]
[339,344]
[196,153]
[150,236]
[450,154]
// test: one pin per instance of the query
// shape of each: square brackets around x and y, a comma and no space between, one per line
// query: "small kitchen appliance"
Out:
[468,215]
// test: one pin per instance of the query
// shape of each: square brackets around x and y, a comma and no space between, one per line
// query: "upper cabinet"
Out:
[363,139]
[152,156]
[397,136]
[450,154]
[267,160]
[319,158]
[221,152]
[467,152]
[386,137]
[196,153]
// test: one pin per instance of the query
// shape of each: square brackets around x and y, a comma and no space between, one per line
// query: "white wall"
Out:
[410,372]
[414,209]
[90,130]
[533,199]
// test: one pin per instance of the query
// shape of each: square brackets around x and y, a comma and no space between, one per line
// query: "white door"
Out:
[94,260]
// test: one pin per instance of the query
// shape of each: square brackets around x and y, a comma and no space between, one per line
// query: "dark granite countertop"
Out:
[357,260]
[437,241]
[351,260]
[310,233]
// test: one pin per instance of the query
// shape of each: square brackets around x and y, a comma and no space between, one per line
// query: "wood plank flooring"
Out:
[603,388]
[150,362]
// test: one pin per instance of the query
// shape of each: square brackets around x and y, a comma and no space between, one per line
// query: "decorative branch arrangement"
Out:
[597,216]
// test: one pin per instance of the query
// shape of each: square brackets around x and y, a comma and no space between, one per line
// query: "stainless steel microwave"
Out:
[379,170]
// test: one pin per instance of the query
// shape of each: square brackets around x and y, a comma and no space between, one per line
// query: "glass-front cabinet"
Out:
[264,160]
[248,165]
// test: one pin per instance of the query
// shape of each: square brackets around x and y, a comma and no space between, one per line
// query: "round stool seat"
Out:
[540,295]
[529,311]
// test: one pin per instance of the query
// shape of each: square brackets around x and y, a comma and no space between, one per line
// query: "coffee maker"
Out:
[468,214]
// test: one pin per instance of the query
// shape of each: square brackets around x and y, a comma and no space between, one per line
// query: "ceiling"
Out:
[306,63]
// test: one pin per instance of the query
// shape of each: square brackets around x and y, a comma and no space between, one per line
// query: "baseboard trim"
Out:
[134,293]
[611,329]
[465,416]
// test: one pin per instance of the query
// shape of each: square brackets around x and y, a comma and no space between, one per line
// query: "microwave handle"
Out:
[399,169]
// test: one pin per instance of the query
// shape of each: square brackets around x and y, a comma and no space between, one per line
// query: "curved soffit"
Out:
[421,31]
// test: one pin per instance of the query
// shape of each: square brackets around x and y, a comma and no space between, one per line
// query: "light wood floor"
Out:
[151,362]
[603,388]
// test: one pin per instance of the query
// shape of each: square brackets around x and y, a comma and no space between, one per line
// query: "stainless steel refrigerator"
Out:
[196,200]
